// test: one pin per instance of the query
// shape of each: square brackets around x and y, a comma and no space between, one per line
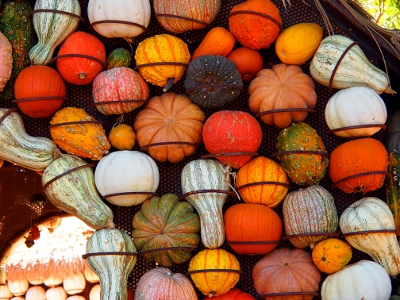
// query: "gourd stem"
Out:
[169,84]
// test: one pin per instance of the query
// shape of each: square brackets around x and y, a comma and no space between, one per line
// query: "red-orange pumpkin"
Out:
[234,294]
[85,57]
[39,83]
[252,228]
[247,61]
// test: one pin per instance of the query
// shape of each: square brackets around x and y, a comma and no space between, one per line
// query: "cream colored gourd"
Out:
[129,172]
[6,60]
[362,280]
[207,174]
[366,214]
[354,70]
[17,147]
[133,11]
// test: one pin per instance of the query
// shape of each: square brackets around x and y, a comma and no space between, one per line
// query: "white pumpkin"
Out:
[355,106]
[362,280]
[132,11]
[36,292]
[74,284]
[56,293]
[5,292]
[124,172]
[18,287]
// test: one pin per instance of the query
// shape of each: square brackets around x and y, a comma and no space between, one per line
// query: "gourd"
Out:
[17,147]
[119,57]
[363,279]
[369,214]
[331,255]
[122,137]
[162,283]
[207,176]
[352,107]
[248,62]
[309,212]
[6,60]
[354,69]
[68,183]
[164,222]
[78,133]
[169,127]
[234,294]
[113,270]
[392,187]
[52,28]
[57,293]
[282,95]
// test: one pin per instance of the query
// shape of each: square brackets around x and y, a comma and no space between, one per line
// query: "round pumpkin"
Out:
[170,127]
[119,57]
[252,228]
[234,294]
[35,88]
[282,95]
[122,137]
[85,57]
[248,62]
[350,160]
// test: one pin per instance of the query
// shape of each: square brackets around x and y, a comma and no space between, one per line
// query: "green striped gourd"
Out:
[309,211]
[354,70]
[17,147]
[207,174]
[113,270]
[367,214]
[393,187]
[68,183]
[52,28]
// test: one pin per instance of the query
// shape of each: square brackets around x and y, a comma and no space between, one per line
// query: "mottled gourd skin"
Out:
[303,169]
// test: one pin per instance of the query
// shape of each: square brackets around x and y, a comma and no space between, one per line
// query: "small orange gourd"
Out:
[331,255]
[122,137]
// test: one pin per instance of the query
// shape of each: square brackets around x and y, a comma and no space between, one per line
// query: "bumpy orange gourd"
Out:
[122,137]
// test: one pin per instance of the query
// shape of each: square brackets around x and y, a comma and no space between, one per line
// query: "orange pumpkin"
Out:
[248,62]
[122,137]
[331,255]
[234,294]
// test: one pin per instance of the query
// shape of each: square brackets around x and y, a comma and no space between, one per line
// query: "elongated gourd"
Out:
[393,187]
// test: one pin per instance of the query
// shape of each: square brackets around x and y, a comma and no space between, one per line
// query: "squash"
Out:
[17,147]
[232,136]
[303,169]
[56,293]
[248,62]
[52,28]
[359,165]
[74,284]
[164,222]
[234,294]
[354,111]
[282,273]
[5,292]
[79,133]
[308,214]
[162,283]
[206,185]
[119,19]
[122,137]
[113,270]
[212,81]
[392,188]
[255,23]
[119,57]
[127,177]
[35,292]
[68,183]
[358,223]
[331,255]
[18,287]
[214,271]
[364,279]
[282,95]
[354,69]
[169,127]
[297,43]
[6,60]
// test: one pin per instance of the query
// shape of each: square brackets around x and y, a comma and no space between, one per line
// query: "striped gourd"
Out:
[68,183]
[367,214]
[52,28]
[207,174]
[17,147]
[393,187]
[113,270]
[354,69]
[309,211]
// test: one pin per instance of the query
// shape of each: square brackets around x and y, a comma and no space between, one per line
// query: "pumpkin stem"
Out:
[82,75]
[211,294]
[170,82]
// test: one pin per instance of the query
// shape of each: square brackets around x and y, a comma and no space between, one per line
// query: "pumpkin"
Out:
[5,292]
[162,59]
[6,60]
[122,137]
[214,271]
[170,127]
[255,23]
[18,287]
[119,57]
[80,58]
[297,44]
[212,81]
[164,222]
[79,133]
[74,283]
[36,292]
[161,283]
[248,62]
[252,228]
[232,136]
[39,91]
[179,16]
[234,294]
[303,169]
[263,181]
[354,111]
[359,165]
[283,272]
[282,95]
[119,90]
[331,255]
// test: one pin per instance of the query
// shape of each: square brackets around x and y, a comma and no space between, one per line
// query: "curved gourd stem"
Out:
[169,84]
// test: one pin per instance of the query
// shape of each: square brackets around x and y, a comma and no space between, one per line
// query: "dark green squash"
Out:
[212,81]
[119,57]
